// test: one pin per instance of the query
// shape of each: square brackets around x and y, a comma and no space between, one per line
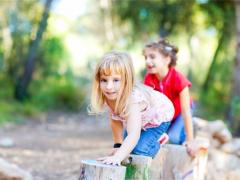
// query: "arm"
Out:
[186,113]
[117,131]
[192,146]
[133,129]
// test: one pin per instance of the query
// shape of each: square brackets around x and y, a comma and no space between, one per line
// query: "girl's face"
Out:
[155,61]
[110,86]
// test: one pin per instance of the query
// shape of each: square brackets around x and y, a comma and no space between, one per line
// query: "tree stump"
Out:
[134,167]
[94,170]
[173,162]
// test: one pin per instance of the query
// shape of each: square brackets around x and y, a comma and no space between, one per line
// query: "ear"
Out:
[168,60]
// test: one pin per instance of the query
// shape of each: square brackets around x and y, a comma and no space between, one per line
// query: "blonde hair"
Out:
[117,63]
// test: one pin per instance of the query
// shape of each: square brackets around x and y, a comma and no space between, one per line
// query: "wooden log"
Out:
[173,162]
[137,167]
[9,171]
[94,170]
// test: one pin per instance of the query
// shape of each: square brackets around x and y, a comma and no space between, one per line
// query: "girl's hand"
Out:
[194,147]
[113,151]
[191,148]
[110,160]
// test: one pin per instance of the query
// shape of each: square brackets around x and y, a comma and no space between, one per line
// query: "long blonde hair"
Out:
[118,63]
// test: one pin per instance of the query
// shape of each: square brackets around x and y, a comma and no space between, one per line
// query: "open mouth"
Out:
[149,67]
[110,93]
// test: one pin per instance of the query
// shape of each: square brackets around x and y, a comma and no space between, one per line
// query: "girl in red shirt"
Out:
[160,59]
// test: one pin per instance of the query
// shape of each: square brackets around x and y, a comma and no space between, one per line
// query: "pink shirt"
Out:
[158,108]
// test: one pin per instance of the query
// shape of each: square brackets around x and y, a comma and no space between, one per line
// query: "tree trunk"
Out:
[214,61]
[233,112]
[236,90]
[24,81]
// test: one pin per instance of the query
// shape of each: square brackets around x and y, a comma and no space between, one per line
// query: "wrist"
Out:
[117,145]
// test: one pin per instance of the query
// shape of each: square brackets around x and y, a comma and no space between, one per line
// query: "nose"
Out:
[148,61]
[109,85]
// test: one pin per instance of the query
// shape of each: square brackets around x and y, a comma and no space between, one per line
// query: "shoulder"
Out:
[178,75]
[137,94]
[150,80]
[180,80]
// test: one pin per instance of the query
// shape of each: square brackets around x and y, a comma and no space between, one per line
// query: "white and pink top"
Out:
[158,109]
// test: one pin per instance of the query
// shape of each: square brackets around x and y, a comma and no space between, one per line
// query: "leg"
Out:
[176,131]
[148,144]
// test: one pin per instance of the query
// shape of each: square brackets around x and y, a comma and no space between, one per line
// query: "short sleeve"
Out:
[181,82]
[138,96]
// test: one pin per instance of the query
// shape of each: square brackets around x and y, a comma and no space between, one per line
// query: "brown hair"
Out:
[165,48]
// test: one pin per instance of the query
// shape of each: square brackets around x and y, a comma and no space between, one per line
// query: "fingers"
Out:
[191,152]
[101,158]
[109,161]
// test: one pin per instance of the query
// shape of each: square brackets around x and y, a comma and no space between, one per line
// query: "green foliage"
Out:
[155,17]
[51,57]
[215,101]
[235,106]
[54,93]
[57,92]
[22,21]
[8,112]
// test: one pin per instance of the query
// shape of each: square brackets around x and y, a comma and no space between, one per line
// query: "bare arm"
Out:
[186,113]
[117,131]
[133,129]
[193,147]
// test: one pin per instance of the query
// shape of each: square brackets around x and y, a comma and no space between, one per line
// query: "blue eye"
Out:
[116,80]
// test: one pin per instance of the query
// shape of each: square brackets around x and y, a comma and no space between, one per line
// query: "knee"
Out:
[177,138]
[146,150]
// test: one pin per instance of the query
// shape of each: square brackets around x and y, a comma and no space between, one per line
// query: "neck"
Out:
[111,104]
[162,74]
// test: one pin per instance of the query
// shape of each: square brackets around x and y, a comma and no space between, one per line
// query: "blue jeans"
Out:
[176,131]
[148,144]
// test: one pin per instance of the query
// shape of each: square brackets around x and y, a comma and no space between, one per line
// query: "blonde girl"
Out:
[139,111]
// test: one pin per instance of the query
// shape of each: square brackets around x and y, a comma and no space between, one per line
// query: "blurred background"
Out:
[49,48]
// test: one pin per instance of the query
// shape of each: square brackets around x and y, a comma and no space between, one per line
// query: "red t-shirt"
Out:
[171,85]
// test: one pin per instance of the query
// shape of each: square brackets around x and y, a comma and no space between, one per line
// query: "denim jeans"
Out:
[148,144]
[176,131]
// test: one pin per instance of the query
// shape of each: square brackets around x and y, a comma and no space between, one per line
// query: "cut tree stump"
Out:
[94,170]
[171,163]
[134,167]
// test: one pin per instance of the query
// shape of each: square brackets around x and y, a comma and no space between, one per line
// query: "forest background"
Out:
[48,51]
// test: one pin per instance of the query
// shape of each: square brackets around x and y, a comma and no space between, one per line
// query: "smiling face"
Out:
[156,63]
[111,86]
[113,83]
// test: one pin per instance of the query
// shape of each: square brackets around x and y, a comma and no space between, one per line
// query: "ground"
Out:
[52,147]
